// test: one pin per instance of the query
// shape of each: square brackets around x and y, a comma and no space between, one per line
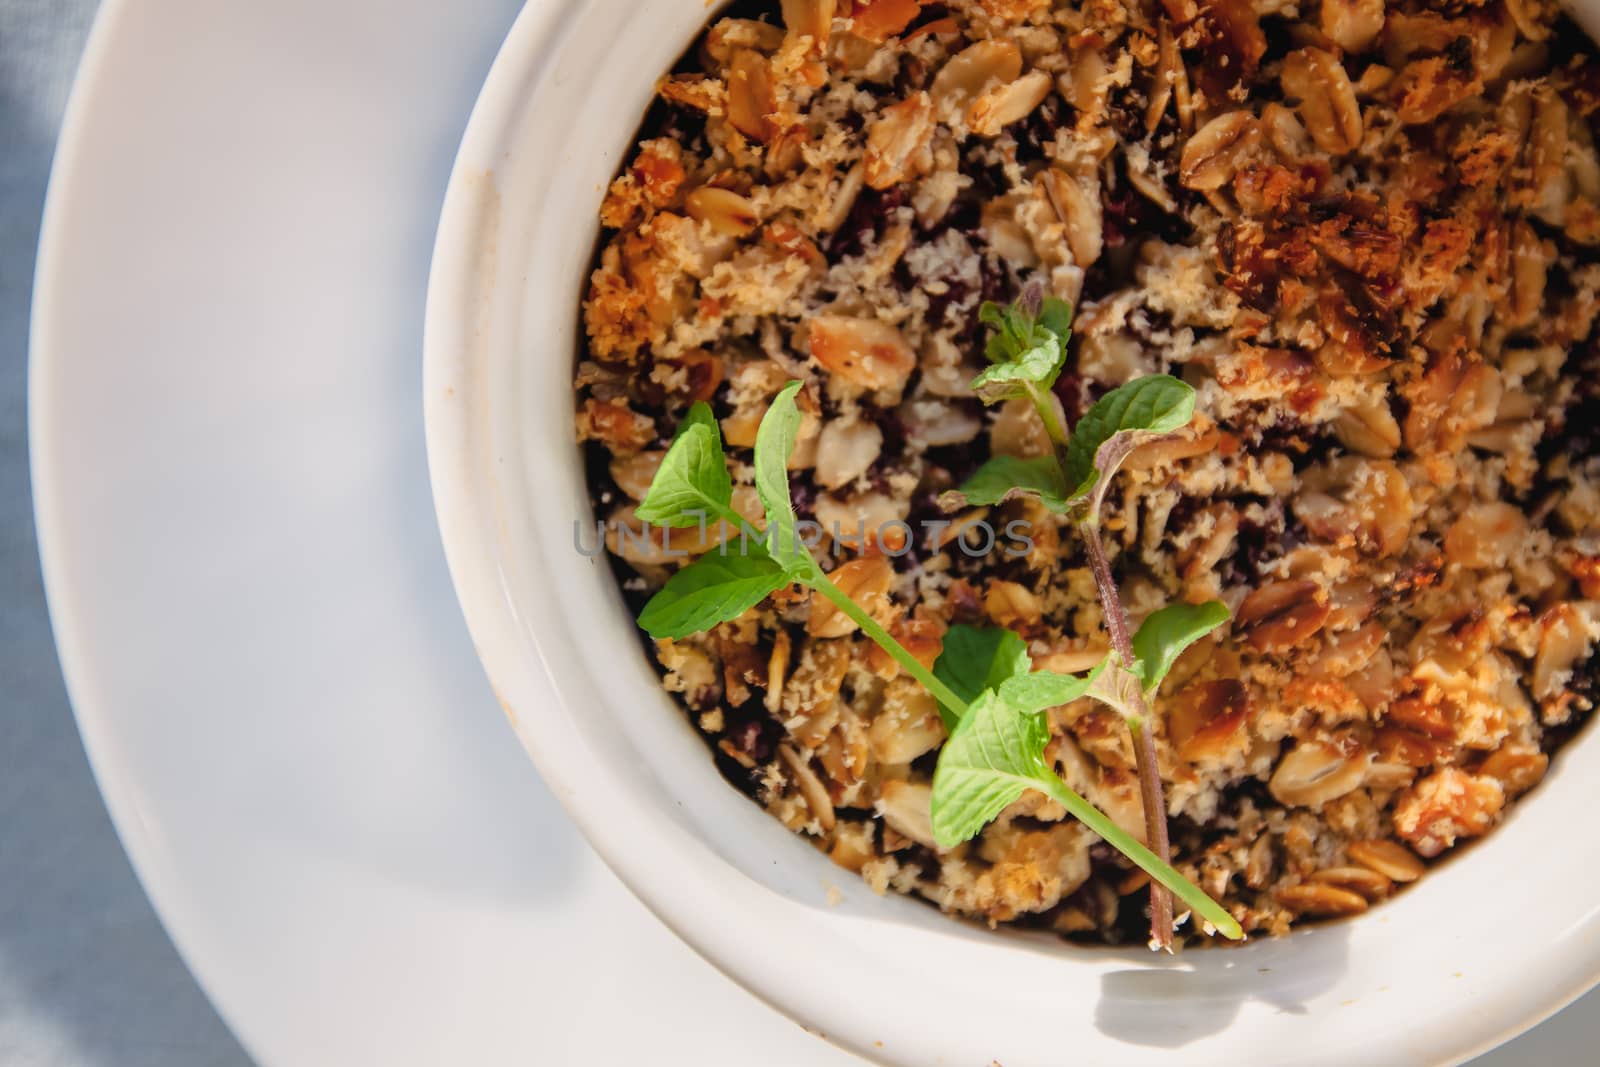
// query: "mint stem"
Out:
[869,626]
[1144,744]
[1053,426]
[1160,871]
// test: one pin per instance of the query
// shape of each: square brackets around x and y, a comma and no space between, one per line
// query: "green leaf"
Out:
[1055,315]
[714,588]
[1123,419]
[975,659]
[692,484]
[1166,633]
[993,756]
[996,315]
[774,441]
[1005,477]
[1035,368]
[1020,331]
[1040,690]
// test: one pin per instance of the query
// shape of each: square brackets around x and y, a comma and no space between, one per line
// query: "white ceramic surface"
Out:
[268,665]
[1432,977]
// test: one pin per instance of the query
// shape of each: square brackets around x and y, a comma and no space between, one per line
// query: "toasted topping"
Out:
[1368,235]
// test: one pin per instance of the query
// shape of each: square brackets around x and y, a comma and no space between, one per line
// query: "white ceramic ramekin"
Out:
[1486,946]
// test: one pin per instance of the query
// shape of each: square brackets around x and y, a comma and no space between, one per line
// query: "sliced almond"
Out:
[1286,134]
[1389,858]
[730,35]
[1563,640]
[907,725]
[812,791]
[865,581]
[1369,429]
[1315,772]
[1212,155]
[845,450]
[907,808]
[1010,604]
[777,670]
[1207,720]
[868,352]
[1518,768]
[1486,536]
[879,20]
[1325,901]
[724,210]
[1369,883]
[1280,615]
[1076,202]
[1260,864]
[972,70]
[1327,100]
[810,18]
[633,474]
[898,143]
[751,101]
[1352,24]
[1009,102]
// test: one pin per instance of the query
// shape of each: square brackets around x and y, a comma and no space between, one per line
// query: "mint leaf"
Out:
[1006,477]
[978,658]
[714,588]
[1166,633]
[1010,336]
[692,485]
[1056,316]
[996,752]
[1125,418]
[993,756]
[1040,690]
[1034,369]
[1024,324]
[774,441]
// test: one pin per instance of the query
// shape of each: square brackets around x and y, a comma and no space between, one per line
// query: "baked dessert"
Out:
[1365,233]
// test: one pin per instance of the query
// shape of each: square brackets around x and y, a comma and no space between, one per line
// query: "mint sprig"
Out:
[1029,323]
[1074,480]
[996,754]
[1035,692]
[713,589]
[992,702]
[1026,352]
[1036,367]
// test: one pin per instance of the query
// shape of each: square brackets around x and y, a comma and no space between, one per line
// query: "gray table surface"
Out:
[87,976]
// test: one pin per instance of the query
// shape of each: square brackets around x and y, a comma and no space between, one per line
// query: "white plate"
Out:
[280,701]
[272,679]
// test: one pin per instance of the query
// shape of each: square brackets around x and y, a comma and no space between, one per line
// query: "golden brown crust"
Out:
[1368,234]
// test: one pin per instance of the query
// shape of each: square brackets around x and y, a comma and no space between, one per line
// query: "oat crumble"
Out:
[1367,234]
